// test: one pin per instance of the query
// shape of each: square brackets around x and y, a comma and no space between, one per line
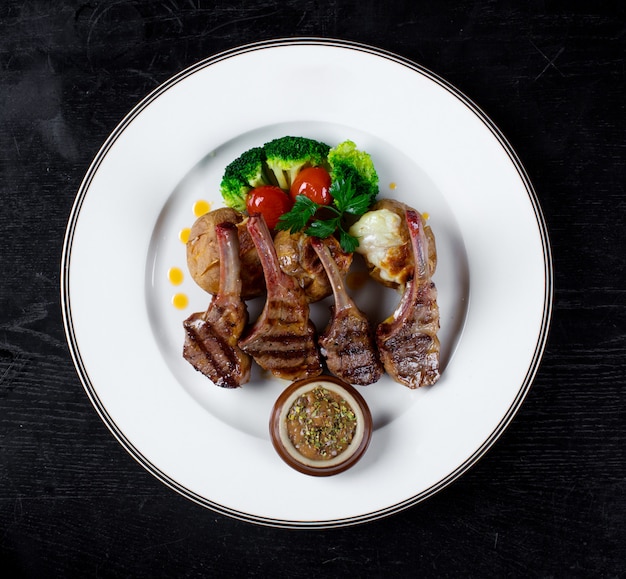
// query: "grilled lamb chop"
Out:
[407,341]
[211,337]
[282,340]
[348,341]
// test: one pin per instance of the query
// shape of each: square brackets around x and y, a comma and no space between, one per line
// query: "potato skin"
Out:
[399,259]
[203,255]
[298,259]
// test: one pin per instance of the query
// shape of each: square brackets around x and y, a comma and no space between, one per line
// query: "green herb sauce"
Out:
[320,424]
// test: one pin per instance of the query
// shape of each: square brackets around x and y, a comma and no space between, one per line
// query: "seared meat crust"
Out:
[211,337]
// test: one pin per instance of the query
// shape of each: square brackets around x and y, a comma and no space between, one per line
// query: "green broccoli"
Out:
[349,164]
[242,175]
[287,156]
[278,162]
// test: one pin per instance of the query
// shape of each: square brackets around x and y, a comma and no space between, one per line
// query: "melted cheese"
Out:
[377,231]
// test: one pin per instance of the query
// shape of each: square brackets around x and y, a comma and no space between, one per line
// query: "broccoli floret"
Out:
[234,193]
[287,156]
[243,174]
[249,167]
[347,163]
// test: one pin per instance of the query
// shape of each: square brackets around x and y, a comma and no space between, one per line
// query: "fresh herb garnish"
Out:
[346,200]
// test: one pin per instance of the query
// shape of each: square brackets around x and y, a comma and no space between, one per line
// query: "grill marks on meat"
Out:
[282,340]
[348,341]
[407,342]
[211,337]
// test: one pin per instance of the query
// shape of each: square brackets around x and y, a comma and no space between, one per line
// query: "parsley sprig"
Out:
[346,201]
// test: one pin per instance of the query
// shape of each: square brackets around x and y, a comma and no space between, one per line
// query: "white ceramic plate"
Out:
[445,158]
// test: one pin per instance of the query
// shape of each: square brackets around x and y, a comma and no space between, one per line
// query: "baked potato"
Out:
[203,254]
[298,259]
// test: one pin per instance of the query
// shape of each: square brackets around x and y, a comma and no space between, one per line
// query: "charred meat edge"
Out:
[407,341]
[347,343]
[211,337]
[282,340]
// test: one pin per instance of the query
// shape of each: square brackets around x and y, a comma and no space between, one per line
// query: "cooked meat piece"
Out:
[282,340]
[298,259]
[203,258]
[407,341]
[348,341]
[211,337]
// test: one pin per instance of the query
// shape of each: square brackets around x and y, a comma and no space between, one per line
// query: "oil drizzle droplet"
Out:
[180,301]
[175,275]
[183,234]
[201,207]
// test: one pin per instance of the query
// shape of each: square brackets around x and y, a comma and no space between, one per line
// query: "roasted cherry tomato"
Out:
[314,182]
[269,201]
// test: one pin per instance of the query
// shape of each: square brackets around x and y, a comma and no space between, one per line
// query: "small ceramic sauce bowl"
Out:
[320,426]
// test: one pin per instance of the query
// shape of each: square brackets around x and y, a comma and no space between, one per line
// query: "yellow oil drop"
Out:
[426,216]
[393,185]
[201,207]
[183,234]
[175,275]
[180,301]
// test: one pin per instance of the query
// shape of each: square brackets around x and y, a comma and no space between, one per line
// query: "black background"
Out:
[547,501]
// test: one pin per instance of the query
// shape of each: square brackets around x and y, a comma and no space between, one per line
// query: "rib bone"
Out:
[282,340]
[407,341]
[348,341]
[211,337]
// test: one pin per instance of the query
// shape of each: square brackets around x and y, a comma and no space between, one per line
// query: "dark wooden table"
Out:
[549,500]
